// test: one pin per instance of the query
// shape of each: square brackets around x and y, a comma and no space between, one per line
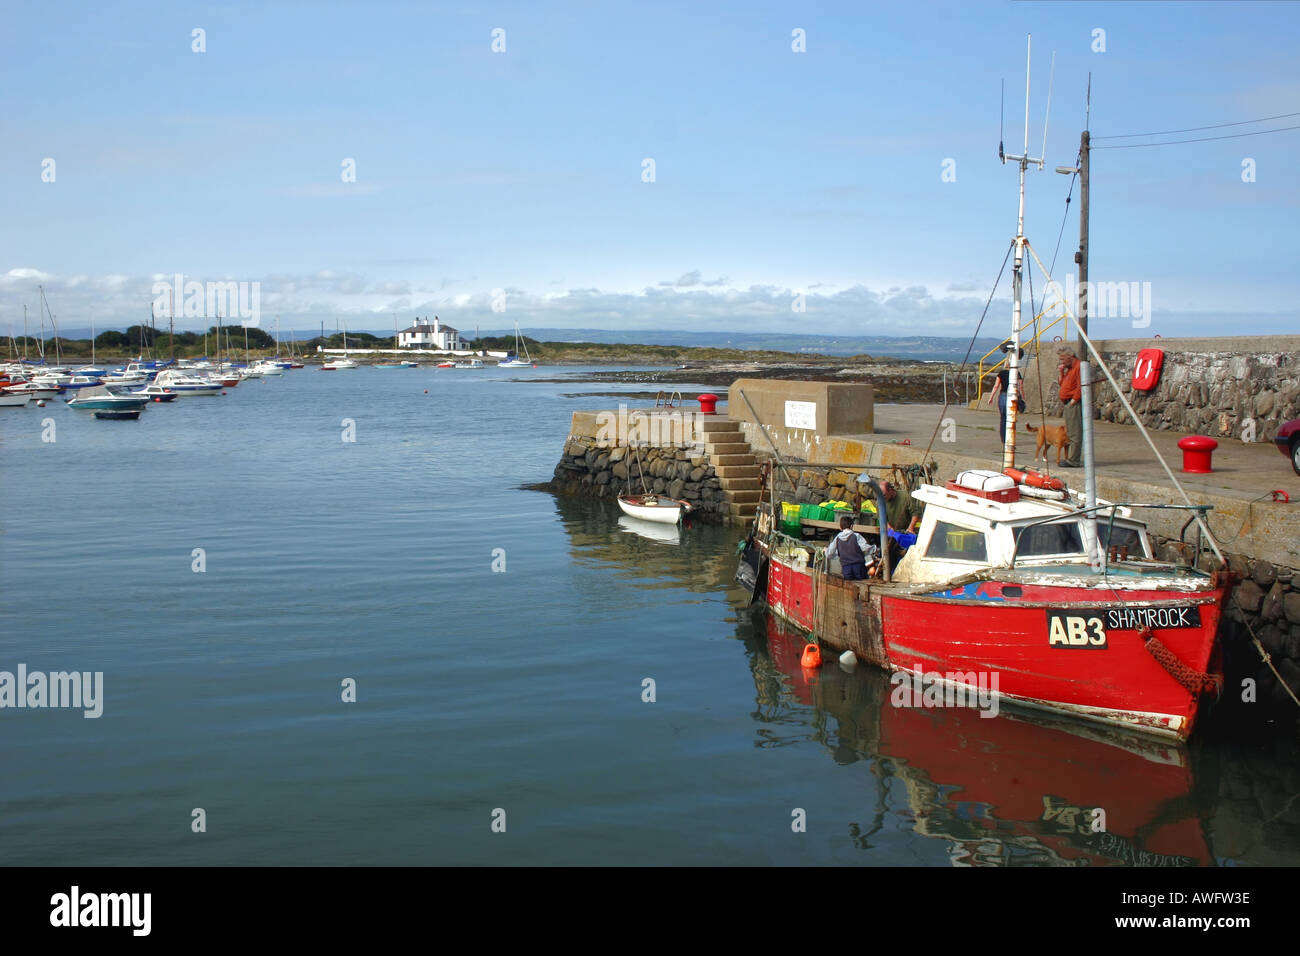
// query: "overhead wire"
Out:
[1200,139]
[1197,129]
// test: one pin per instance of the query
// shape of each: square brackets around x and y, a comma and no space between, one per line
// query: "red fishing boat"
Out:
[1047,597]
[1004,595]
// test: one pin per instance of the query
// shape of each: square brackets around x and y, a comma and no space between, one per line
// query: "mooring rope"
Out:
[966,358]
[1196,682]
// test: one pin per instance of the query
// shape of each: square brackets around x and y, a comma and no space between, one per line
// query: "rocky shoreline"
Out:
[893,380]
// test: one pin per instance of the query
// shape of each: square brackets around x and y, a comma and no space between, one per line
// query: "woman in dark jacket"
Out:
[1000,393]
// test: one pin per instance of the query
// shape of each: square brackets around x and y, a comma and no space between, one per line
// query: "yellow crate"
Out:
[963,540]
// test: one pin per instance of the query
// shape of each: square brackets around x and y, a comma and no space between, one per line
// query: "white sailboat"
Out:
[514,361]
[343,363]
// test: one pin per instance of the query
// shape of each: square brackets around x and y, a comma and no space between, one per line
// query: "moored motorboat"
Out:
[155,393]
[10,399]
[126,379]
[178,382]
[102,398]
[32,390]
[657,508]
[78,382]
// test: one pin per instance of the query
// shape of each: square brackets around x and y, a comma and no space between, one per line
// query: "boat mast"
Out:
[171,326]
[1013,353]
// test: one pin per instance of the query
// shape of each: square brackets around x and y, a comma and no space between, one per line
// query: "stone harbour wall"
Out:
[1218,387]
[609,472]
[1269,598]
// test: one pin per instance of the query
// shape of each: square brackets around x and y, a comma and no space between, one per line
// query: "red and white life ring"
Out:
[1146,370]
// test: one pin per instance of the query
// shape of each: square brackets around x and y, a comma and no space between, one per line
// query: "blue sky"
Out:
[776,173]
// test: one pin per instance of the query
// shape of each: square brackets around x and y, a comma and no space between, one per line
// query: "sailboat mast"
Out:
[1017,274]
[171,327]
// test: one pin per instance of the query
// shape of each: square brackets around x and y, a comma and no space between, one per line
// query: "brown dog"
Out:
[1050,435]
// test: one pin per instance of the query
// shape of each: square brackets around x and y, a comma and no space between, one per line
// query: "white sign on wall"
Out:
[801,415]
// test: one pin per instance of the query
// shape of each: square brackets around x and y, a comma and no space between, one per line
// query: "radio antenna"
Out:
[1002,109]
[1087,109]
[1051,77]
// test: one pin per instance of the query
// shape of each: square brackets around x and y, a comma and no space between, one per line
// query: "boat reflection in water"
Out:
[1001,790]
[655,531]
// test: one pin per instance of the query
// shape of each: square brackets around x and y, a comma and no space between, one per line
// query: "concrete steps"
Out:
[734,463]
[719,425]
[729,448]
[736,471]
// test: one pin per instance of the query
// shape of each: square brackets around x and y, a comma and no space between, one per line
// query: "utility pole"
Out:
[1081,257]
[1096,555]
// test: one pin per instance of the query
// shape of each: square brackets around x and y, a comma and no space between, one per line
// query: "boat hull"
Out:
[670,513]
[109,404]
[1096,672]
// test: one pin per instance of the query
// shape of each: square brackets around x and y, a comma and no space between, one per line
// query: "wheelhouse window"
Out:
[1120,537]
[1053,538]
[952,542]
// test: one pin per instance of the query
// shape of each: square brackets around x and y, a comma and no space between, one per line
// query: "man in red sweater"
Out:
[1071,397]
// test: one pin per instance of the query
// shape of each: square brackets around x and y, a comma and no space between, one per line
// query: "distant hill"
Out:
[940,348]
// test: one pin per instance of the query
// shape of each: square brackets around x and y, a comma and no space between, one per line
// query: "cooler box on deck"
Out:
[986,484]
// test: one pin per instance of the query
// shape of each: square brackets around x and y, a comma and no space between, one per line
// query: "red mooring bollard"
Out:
[708,404]
[1197,450]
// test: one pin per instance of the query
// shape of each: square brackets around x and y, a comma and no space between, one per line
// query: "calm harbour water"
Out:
[478,690]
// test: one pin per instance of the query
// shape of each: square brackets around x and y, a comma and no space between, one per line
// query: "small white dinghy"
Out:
[657,508]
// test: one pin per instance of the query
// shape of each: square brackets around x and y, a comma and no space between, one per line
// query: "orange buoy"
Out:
[1034,479]
[812,656]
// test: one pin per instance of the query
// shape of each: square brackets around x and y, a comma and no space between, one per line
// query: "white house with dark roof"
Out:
[424,335]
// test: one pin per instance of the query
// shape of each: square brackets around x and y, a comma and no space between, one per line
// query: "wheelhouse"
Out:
[962,532]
